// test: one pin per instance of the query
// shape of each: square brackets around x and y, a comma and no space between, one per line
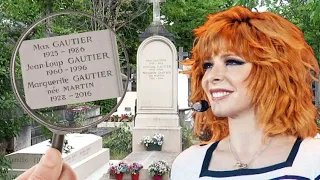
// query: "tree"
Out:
[14,19]
[182,16]
[127,17]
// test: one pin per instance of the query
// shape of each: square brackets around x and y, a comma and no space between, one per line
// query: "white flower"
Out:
[156,139]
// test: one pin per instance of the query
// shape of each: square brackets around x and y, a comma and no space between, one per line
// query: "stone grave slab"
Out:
[85,159]
[89,165]
[84,168]
[84,145]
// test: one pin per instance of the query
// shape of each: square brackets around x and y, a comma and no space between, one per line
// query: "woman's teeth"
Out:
[220,94]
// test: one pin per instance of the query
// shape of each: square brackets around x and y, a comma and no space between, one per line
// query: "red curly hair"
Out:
[283,69]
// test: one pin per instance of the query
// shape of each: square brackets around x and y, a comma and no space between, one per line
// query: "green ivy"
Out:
[119,142]
[5,165]
[187,137]
[106,105]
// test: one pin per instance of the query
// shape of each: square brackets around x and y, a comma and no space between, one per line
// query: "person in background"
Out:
[255,70]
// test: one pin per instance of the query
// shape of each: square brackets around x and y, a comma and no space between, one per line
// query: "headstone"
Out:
[181,55]
[70,69]
[23,140]
[183,82]
[85,158]
[317,94]
[183,95]
[127,105]
[157,94]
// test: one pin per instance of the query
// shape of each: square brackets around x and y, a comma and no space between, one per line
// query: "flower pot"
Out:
[119,176]
[154,147]
[135,176]
[157,177]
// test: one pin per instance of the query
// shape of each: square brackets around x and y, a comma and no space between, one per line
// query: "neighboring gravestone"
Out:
[157,94]
[181,55]
[21,141]
[86,157]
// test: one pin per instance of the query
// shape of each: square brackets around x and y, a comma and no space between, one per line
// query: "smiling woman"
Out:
[255,70]
[232,71]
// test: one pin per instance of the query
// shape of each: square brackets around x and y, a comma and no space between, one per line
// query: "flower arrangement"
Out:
[134,168]
[120,168]
[122,118]
[113,118]
[159,168]
[157,139]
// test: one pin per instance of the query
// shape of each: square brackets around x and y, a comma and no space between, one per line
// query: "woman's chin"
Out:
[220,114]
[224,113]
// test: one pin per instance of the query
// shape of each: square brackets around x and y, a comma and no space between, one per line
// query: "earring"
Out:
[205,135]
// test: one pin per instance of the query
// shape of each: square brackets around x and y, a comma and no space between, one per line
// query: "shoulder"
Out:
[188,163]
[309,156]
[311,145]
[309,151]
[192,153]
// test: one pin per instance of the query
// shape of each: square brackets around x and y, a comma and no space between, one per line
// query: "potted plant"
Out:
[134,169]
[118,170]
[153,143]
[158,169]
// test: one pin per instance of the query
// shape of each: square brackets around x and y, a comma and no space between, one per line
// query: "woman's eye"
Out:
[207,65]
[234,62]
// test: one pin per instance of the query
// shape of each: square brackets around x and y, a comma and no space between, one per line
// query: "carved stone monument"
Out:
[157,97]
[157,94]
[87,158]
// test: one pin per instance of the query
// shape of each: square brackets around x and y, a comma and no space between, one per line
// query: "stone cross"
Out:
[317,94]
[156,10]
[181,56]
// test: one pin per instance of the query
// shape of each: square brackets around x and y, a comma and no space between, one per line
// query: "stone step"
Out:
[83,169]
[84,145]
[89,165]
[101,173]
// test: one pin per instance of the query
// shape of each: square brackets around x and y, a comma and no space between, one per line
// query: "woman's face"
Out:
[224,85]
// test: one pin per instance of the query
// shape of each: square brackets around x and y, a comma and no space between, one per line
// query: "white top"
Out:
[302,163]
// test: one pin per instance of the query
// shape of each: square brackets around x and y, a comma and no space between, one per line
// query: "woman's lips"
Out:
[219,94]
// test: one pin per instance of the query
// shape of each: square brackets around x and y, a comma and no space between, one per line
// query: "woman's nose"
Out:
[216,74]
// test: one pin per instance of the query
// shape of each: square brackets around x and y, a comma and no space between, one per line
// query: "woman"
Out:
[255,70]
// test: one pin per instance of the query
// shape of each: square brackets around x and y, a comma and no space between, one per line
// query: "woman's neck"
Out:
[245,135]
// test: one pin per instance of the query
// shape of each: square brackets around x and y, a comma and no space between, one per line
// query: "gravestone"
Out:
[86,157]
[21,141]
[183,82]
[157,94]
[181,55]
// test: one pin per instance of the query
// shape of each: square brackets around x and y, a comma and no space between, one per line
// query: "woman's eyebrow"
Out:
[223,56]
